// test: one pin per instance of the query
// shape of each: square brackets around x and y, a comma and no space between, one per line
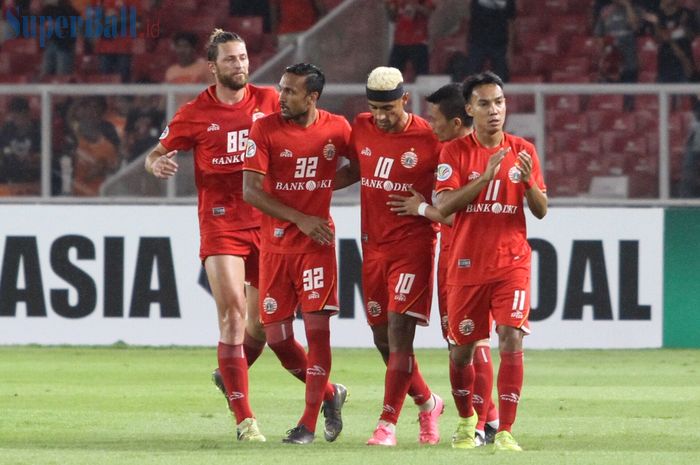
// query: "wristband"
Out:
[422,208]
[527,184]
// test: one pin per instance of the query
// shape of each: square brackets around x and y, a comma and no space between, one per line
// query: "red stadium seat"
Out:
[520,103]
[250,28]
[606,102]
[570,76]
[588,145]
[571,103]
[583,46]
[566,121]
[565,26]
[531,24]
[556,6]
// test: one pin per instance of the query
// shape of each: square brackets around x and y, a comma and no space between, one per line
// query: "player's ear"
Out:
[468,109]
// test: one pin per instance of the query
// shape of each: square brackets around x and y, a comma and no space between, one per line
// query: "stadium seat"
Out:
[531,24]
[565,26]
[570,76]
[570,103]
[250,28]
[583,46]
[606,102]
[556,6]
[616,187]
[567,121]
[587,145]
[520,103]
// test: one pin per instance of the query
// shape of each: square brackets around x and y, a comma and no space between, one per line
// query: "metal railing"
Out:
[348,99]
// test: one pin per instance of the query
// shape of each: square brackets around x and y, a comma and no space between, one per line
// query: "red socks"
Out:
[483,385]
[418,390]
[462,381]
[399,373]
[252,348]
[234,372]
[318,337]
[510,382]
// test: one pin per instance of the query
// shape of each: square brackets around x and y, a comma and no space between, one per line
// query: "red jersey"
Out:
[299,165]
[411,26]
[219,133]
[488,236]
[390,163]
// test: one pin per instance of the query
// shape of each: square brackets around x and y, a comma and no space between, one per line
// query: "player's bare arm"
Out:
[160,162]
[316,228]
[449,202]
[347,175]
[536,199]
[410,205]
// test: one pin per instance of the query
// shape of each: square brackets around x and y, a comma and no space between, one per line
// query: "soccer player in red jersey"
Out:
[216,126]
[393,151]
[482,178]
[449,120]
[289,169]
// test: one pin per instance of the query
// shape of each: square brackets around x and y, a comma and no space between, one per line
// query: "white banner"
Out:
[102,274]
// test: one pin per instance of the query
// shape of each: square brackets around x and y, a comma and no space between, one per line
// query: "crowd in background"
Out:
[94,136]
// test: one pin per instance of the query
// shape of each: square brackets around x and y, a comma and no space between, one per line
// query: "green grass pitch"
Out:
[124,405]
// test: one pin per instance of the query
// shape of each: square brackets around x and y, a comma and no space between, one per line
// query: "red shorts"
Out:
[288,281]
[400,281]
[244,243]
[470,307]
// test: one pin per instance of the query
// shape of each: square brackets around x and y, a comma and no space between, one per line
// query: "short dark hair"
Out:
[188,37]
[219,36]
[476,80]
[315,79]
[451,102]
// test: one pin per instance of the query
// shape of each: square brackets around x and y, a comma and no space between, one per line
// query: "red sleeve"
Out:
[257,152]
[447,176]
[178,134]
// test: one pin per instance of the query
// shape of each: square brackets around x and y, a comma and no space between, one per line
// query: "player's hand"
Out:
[524,165]
[494,164]
[317,229]
[403,206]
[165,166]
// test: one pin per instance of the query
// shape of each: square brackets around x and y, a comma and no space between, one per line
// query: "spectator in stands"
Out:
[115,53]
[490,36]
[676,27]
[292,17]
[252,8]
[190,67]
[143,125]
[59,54]
[618,24]
[20,145]
[97,152]
[410,34]
[690,175]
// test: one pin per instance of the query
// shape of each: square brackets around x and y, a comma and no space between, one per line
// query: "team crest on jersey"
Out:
[466,327]
[269,305]
[473,175]
[329,151]
[444,171]
[165,133]
[251,149]
[257,115]
[374,309]
[409,160]
[286,153]
[366,152]
[213,127]
[515,175]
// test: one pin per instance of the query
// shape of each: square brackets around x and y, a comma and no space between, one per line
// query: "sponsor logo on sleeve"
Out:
[165,133]
[257,115]
[444,171]
[251,149]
